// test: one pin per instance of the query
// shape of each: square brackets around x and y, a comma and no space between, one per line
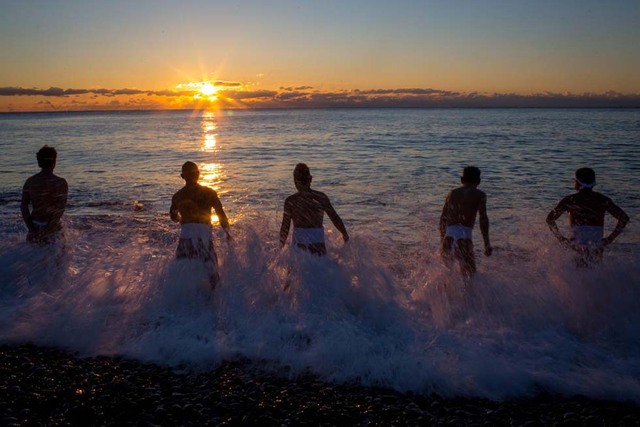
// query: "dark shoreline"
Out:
[50,386]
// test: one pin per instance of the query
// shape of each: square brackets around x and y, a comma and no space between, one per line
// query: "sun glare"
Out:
[207,89]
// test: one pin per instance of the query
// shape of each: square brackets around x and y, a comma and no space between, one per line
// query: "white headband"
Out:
[583,185]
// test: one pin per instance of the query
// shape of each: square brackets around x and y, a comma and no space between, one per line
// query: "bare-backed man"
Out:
[459,212]
[306,210]
[587,209]
[44,199]
[191,207]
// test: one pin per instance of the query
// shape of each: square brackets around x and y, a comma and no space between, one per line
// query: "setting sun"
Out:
[207,89]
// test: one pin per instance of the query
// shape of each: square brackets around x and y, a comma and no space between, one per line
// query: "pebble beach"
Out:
[48,386]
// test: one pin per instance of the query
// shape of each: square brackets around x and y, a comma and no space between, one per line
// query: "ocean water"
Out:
[381,310]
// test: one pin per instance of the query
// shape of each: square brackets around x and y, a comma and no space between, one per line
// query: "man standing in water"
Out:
[457,220]
[47,193]
[191,207]
[586,217]
[306,209]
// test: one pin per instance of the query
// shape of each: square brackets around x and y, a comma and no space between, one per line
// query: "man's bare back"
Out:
[462,206]
[586,210]
[459,212]
[193,203]
[306,210]
[46,193]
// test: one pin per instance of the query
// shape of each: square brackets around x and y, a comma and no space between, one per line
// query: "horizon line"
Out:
[339,107]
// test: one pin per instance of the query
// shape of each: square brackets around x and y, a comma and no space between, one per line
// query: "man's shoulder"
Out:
[184,191]
[207,190]
[319,194]
[30,180]
[321,198]
[61,181]
[589,197]
[480,192]
[568,199]
[467,191]
[601,196]
[291,197]
[36,179]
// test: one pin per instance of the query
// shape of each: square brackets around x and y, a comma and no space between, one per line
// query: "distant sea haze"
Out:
[381,310]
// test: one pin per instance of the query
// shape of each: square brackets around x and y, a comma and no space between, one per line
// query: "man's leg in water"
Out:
[314,248]
[446,252]
[467,259]
[203,251]
[211,259]
[587,256]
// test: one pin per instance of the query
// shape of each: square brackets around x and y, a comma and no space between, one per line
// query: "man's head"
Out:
[585,178]
[470,175]
[47,157]
[190,172]
[302,176]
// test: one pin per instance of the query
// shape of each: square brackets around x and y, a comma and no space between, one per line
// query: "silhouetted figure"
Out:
[457,220]
[47,194]
[191,207]
[306,209]
[586,210]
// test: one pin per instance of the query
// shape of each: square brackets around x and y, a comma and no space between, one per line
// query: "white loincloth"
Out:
[193,231]
[196,243]
[587,235]
[457,232]
[308,236]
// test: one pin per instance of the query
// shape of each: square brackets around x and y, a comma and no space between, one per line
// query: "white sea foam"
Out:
[530,322]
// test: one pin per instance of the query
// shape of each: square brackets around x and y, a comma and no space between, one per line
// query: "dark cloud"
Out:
[238,95]
[296,88]
[47,104]
[75,92]
[411,91]
[432,98]
[58,92]
[128,92]
[291,95]
[305,97]
[222,83]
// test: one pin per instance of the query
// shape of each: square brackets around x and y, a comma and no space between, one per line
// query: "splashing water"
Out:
[529,321]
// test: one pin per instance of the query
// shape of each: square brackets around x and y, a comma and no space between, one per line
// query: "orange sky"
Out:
[84,55]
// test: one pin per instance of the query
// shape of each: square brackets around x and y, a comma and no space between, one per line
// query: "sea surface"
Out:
[380,310]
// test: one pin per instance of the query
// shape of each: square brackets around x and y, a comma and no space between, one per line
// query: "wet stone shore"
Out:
[44,386]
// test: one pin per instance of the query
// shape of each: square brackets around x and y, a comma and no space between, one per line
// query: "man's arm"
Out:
[173,210]
[286,222]
[553,216]
[443,217]
[335,219]
[24,206]
[622,218]
[484,224]
[222,217]
[59,204]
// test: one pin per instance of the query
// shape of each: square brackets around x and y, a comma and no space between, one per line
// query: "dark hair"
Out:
[189,167]
[586,175]
[302,173]
[47,157]
[471,174]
